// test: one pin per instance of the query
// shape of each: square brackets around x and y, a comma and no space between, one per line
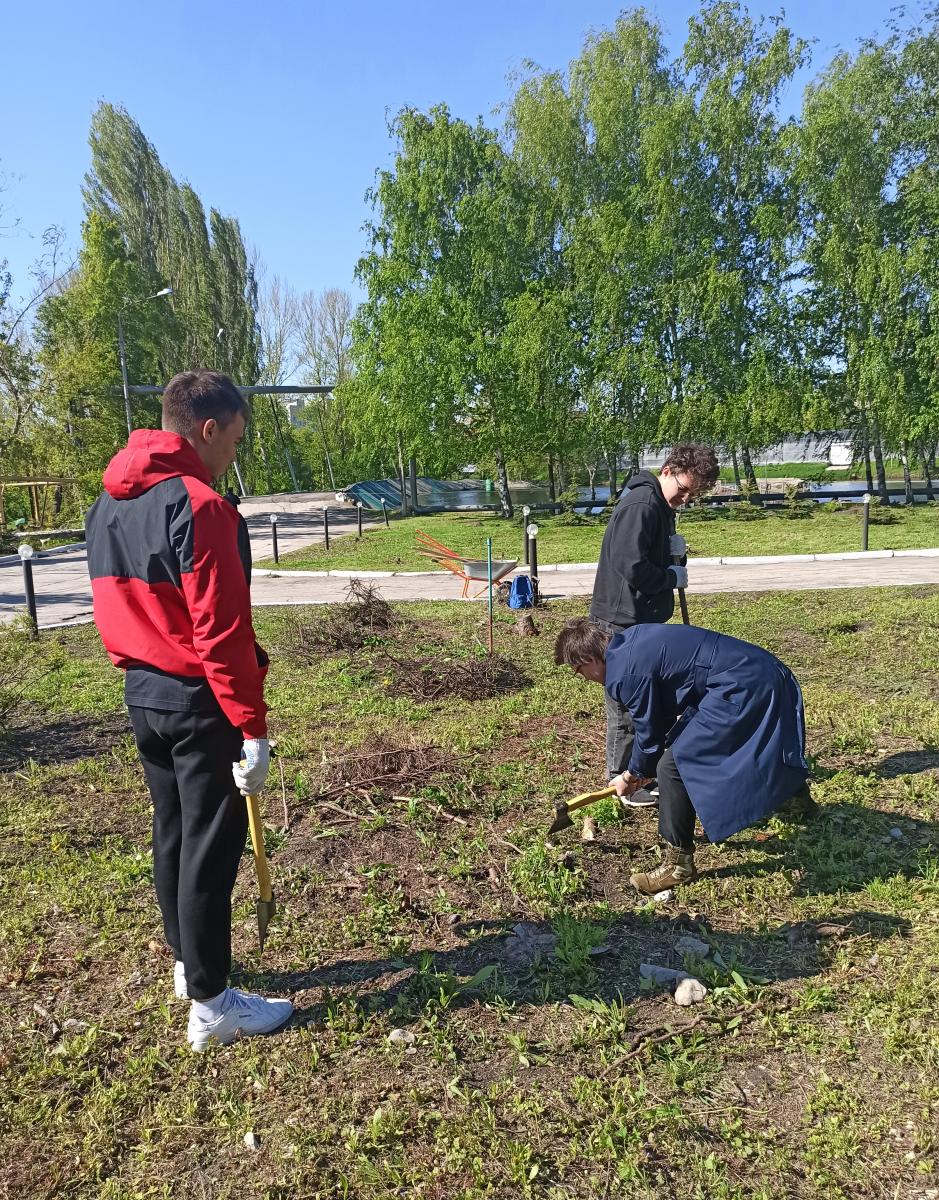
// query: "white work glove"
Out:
[677,546]
[251,772]
[681,575]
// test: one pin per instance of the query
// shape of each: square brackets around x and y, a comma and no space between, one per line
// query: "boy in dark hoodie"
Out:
[636,576]
[169,576]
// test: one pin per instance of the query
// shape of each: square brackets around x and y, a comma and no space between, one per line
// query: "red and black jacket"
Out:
[170,584]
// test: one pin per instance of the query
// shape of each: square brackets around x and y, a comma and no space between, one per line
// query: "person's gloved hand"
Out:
[677,546]
[251,772]
[681,575]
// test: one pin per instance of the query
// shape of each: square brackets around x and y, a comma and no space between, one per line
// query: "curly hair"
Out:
[695,459]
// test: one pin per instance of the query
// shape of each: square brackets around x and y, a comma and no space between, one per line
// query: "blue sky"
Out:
[275,112]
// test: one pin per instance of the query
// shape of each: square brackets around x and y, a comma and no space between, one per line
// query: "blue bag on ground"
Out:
[520,593]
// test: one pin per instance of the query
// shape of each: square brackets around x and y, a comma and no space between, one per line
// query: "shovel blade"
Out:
[562,820]
[266,910]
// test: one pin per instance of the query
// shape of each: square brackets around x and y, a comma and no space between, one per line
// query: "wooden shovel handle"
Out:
[257,844]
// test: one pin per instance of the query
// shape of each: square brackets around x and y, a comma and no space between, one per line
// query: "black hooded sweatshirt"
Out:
[633,585]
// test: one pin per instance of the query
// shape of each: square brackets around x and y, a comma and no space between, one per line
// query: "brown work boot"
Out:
[677,867]
[800,806]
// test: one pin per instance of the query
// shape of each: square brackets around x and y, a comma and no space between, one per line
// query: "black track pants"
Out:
[676,812]
[200,822]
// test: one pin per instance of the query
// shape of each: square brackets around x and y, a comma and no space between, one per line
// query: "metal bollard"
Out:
[385,512]
[865,519]
[26,552]
[358,516]
[274,537]
[532,531]
[325,527]
[526,513]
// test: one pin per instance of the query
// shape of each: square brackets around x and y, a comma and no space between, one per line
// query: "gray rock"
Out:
[661,974]
[690,991]
[401,1037]
[896,833]
[692,945]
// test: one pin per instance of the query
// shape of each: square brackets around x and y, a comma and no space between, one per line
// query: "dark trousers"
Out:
[200,822]
[676,812]
[620,735]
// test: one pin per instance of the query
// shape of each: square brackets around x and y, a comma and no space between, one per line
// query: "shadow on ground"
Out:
[845,848]
[60,739]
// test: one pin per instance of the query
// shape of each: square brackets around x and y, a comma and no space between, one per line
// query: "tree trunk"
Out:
[612,472]
[591,475]
[401,481]
[907,477]
[502,482]
[412,482]
[927,473]
[265,464]
[552,491]
[736,465]
[883,496]
[748,468]
[562,476]
[866,444]
[634,457]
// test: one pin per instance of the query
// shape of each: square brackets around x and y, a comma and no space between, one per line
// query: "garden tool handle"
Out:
[589,798]
[265,890]
[682,602]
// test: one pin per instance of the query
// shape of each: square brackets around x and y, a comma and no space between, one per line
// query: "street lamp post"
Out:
[167,291]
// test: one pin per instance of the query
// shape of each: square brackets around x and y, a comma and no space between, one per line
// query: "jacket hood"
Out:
[150,456]
[644,479]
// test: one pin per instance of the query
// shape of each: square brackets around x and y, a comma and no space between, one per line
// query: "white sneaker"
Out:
[240,1015]
[179,981]
[639,799]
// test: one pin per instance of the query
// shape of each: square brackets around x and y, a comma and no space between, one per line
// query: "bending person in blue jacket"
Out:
[719,723]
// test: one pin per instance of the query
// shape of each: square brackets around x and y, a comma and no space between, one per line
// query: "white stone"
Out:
[690,991]
[663,897]
[252,1141]
[401,1037]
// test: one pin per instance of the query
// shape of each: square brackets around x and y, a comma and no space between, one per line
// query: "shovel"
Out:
[562,812]
[266,905]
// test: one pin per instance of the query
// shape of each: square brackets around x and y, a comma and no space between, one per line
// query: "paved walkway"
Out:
[63,593]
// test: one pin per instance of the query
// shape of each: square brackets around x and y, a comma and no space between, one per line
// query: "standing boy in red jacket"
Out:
[172,605]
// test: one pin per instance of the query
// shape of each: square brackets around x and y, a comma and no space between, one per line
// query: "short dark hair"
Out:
[579,642]
[695,459]
[192,397]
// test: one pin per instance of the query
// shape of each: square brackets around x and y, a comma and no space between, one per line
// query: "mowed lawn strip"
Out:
[406,838]
[564,540]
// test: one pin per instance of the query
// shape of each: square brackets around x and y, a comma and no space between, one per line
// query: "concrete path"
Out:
[63,593]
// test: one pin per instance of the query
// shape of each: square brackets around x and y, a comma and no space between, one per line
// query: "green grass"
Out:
[812,1073]
[818,472]
[719,534]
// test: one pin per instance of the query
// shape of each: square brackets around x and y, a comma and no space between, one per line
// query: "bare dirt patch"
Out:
[465,679]
[60,739]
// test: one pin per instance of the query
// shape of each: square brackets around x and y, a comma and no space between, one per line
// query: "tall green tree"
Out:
[77,331]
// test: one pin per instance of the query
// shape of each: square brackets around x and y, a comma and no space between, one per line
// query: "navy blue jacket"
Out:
[731,713]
